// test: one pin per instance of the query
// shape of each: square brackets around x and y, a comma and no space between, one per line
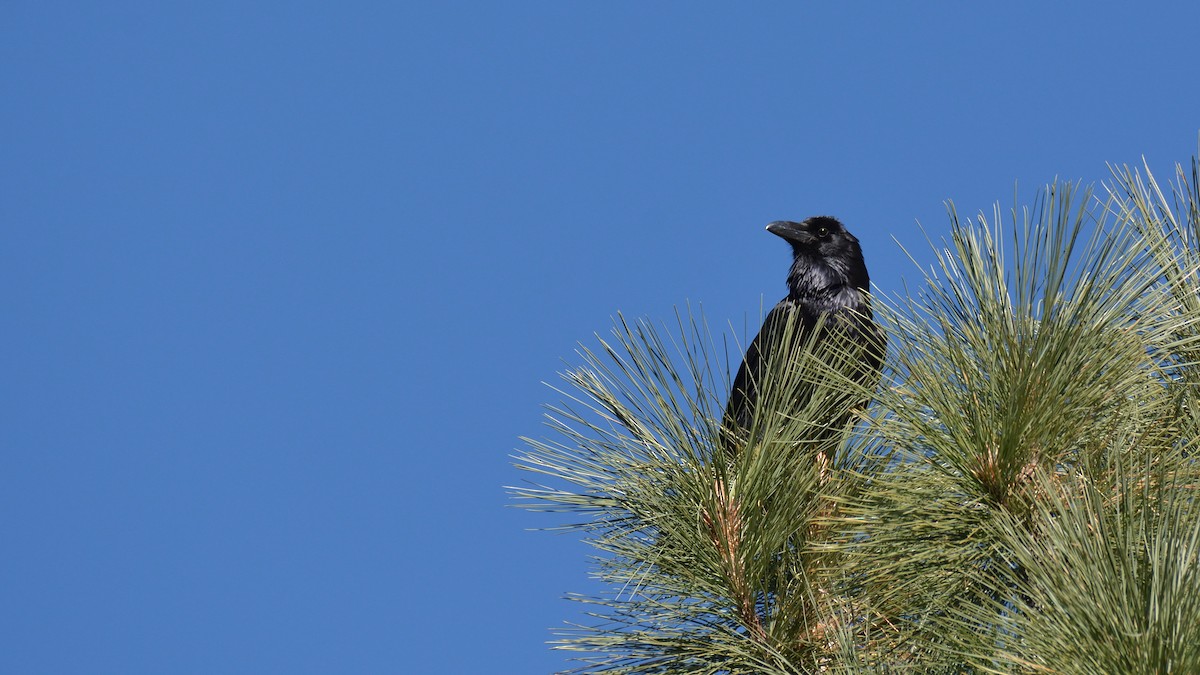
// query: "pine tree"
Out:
[1021,497]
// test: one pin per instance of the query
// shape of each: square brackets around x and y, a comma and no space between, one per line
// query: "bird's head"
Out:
[824,251]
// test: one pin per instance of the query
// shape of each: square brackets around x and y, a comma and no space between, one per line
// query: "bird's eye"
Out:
[822,231]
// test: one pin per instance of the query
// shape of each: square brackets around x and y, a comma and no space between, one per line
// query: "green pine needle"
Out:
[1021,497]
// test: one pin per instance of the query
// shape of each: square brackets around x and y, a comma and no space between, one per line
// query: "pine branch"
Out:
[1022,497]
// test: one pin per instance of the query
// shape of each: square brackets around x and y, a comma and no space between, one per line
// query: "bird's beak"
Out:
[788,230]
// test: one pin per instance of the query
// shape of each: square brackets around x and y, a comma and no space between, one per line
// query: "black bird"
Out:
[827,287]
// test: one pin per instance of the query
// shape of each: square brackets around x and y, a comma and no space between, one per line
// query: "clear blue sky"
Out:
[281,281]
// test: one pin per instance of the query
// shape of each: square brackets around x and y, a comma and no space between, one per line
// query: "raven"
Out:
[827,287]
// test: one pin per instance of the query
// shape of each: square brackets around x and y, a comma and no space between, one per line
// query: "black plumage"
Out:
[827,291]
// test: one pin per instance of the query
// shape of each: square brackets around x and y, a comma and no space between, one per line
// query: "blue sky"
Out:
[281,281]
